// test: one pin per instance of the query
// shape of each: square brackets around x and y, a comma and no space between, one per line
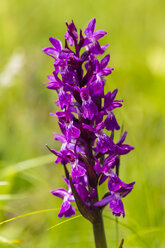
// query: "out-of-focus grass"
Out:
[137,35]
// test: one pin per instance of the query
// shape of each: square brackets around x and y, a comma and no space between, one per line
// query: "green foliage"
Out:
[136,36]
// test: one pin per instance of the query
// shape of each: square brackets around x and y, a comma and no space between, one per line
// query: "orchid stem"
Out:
[98,230]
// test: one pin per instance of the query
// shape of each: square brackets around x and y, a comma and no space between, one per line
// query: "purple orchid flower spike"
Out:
[88,153]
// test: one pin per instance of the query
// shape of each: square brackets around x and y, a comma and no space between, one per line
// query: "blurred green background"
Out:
[136,33]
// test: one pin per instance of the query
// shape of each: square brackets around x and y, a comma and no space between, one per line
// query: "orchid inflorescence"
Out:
[86,110]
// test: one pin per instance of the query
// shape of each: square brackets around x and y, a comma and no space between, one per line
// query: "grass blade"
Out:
[29,214]
[60,223]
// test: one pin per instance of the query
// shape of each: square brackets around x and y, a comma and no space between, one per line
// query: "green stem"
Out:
[98,230]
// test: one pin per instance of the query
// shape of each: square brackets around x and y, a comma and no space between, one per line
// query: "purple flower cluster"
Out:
[89,156]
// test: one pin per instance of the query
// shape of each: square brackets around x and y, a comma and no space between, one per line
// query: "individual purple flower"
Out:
[93,37]
[104,143]
[67,124]
[118,190]
[109,105]
[67,209]
[97,84]
[111,122]
[77,169]
[89,31]
[65,99]
[106,170]
[115,204]
[89,108]
[72,131]
[54,83]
